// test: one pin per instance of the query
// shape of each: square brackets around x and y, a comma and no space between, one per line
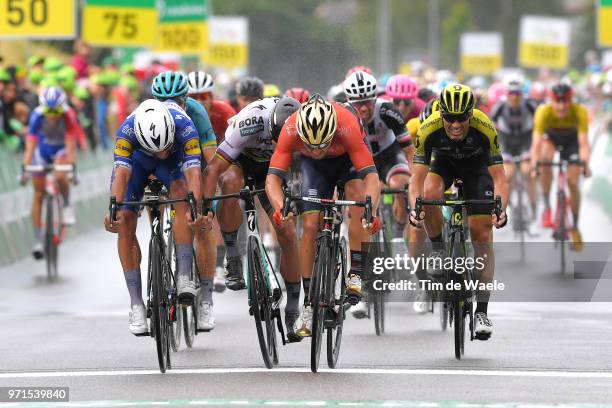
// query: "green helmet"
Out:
[52,64]
[169,84]
[82,93]
[129,82]
[35,76]
[34,60]
[127,68]
[4,75]
[49,81]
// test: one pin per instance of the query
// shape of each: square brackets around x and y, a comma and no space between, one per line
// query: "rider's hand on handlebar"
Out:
[417,221]
[502,221]
[23,178]
[201,222]
[114,227]
[371,227]
[586,171]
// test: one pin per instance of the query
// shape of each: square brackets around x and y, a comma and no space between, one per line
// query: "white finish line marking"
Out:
[371,371]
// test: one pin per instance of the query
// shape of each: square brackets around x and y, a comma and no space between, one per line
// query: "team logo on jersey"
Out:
[123,148]
[192,148]
[188,130]
[251,126]
[127,130]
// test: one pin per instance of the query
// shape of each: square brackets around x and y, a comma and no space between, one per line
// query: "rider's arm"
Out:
[584,150]
[539,128]
[279,165]
[213,171]
[31,140]
[121,176]
[419,172]
[500,183]
[422,158]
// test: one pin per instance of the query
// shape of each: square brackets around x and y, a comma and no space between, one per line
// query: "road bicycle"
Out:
[162,297]
[264,290]
[328,297]
[52,213]
[561,215]
[457,305]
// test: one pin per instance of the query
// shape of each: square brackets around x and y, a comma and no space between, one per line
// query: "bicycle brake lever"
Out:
[112,209]
[192,205]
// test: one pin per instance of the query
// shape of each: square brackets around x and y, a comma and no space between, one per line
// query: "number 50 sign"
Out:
[131,23]
[37,18]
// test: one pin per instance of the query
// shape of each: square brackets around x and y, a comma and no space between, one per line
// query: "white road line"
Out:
[378,371]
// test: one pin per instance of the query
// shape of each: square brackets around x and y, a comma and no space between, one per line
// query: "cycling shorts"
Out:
[143,166]
[567,145]
[320,177]
[257,172]
[47,156]
[391,161]
[477,182]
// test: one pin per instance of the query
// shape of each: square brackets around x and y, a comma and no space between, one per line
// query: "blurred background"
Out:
[104,53]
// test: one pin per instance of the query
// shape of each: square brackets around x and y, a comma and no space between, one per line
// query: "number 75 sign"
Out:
[131,23]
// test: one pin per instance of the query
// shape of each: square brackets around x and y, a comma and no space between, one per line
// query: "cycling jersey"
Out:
[416,108]
[200,119]
[386,128]
[219,114]
[186,145]
[412,126]
[349,139]
[514,126]
[480,146]
[50,136]
[248,133]
[577,120]
[467,159]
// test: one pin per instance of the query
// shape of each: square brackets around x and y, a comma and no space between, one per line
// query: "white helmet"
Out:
[154,126]
[360,86]
[200,82]
[514,82]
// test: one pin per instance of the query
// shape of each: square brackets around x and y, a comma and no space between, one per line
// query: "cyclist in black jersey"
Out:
[460,142]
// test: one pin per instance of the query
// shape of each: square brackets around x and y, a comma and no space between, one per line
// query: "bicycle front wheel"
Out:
[159,303]
[260,301]
[318,290]
[52,235]
[335,320]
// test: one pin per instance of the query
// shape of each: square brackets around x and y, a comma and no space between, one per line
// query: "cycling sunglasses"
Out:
[517,93]
[322,146]
[362,102]
[452,117]
[54,111]
[408,102]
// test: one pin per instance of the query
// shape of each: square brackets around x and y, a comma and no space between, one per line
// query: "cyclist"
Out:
[299,94]
[331,143]
[248,89]
[463,143]
[159,139]
[52,138]
[562,125]
[404,92]
[513,119]
[248,146]
[172,87]
[389,141]
[201,85]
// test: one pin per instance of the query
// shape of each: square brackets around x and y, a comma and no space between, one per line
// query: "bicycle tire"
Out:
[521,212]
[318,292]
[334,334]
[260,299]
[159,306]
[561,227]
[443,310]
[189,315]
[177,326]
[459,327]
[378,296]
[52,235]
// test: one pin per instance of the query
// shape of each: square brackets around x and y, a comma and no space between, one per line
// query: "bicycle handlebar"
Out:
[242,194]
[420,202]
[152,201]
[327,202]
[38,168]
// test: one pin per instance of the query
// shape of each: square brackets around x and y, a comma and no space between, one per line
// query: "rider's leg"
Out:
[434,190]
[510,170]
[129,255]
[183,236]
[482,236]
[547,154]
[396,181]
[38,182]
[355,190]
[289,264]
[530,186]
[310,229]
[62,180]
[573,180]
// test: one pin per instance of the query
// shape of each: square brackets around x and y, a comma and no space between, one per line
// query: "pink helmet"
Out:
[401,87]
[356,68]
[496,92]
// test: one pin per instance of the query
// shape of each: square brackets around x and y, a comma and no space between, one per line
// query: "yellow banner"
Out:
[120,26]
[37,18]
[227,55]
[480,64]
[184,38]
[604,27]
[535,55]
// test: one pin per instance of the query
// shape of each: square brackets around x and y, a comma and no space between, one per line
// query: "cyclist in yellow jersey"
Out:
[461,142]
[562,125]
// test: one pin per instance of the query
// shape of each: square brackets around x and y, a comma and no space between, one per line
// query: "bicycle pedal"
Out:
[482,336]
[203,330]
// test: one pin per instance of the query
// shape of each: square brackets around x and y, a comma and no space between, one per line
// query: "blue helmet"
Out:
[169,84]
[52,98]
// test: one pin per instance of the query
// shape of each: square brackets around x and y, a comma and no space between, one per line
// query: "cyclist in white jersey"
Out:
[247,148]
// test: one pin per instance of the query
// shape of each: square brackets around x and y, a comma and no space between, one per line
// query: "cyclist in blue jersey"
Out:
[172,86]
[158,139]
[52,138]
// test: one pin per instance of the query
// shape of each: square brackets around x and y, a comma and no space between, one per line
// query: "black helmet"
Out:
[251,87]
[561,92]
[281,112]
[431,107]
[426,94]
